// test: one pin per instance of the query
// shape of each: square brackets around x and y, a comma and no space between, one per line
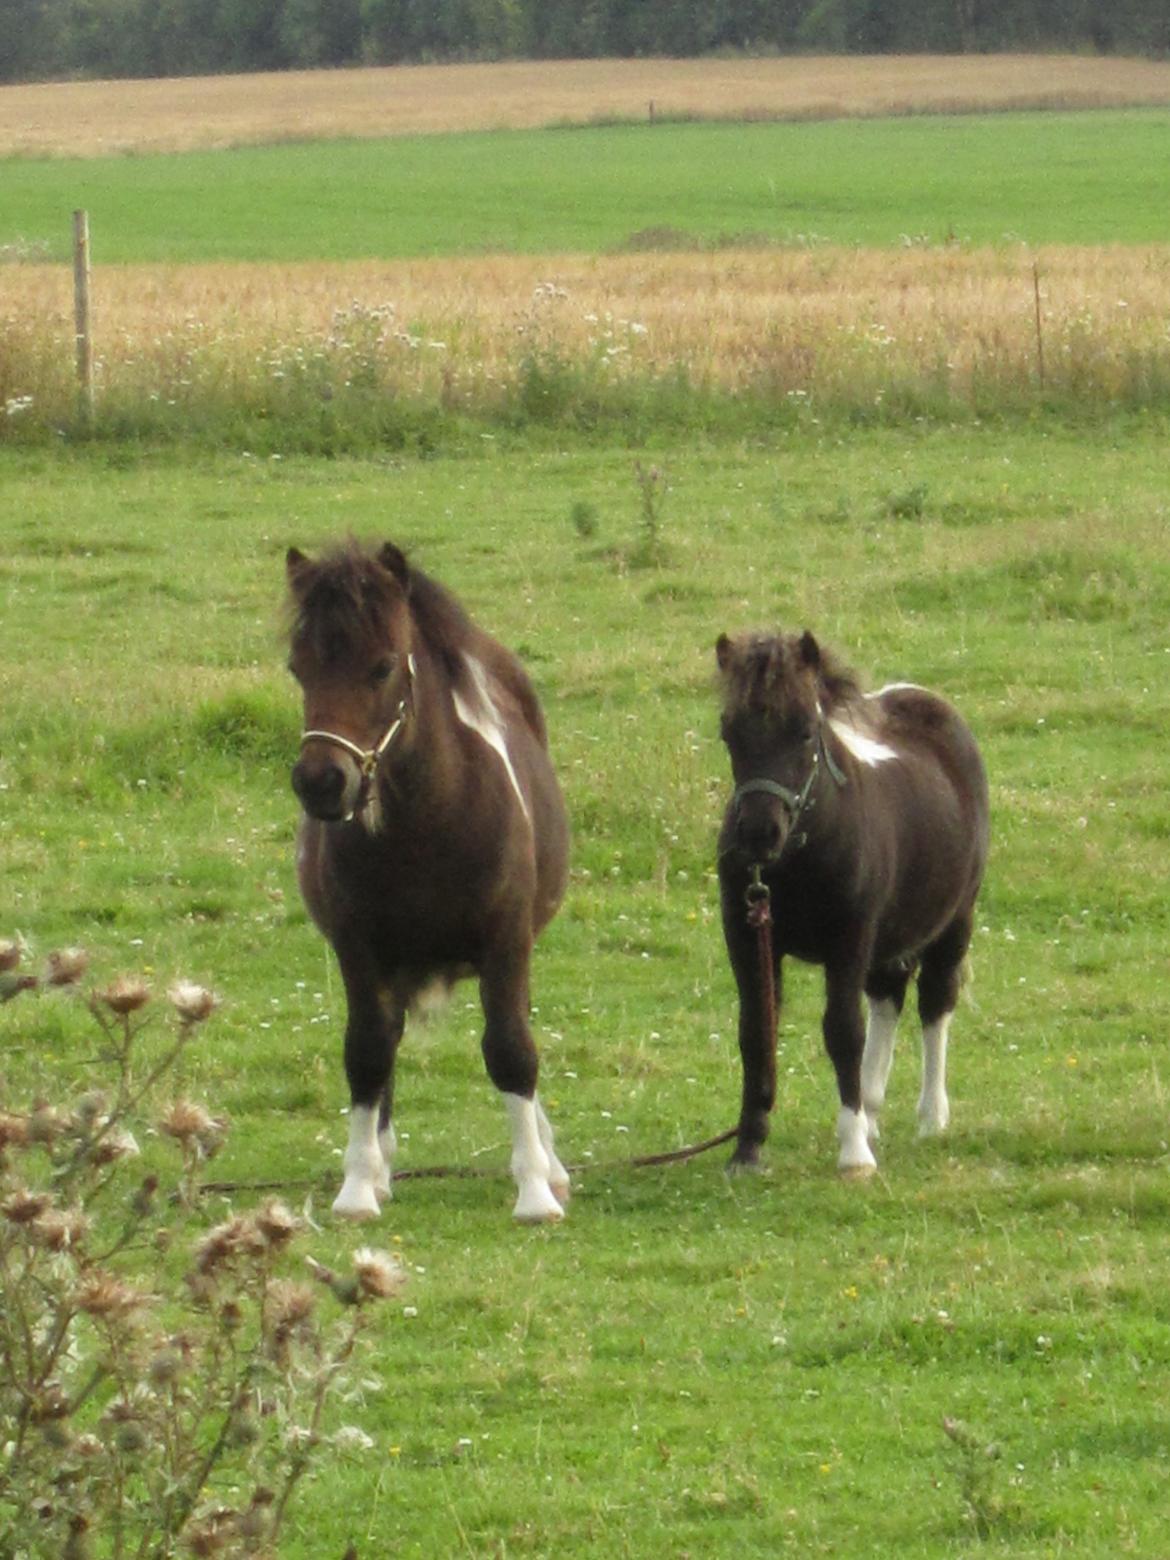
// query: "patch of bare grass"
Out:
[100,118]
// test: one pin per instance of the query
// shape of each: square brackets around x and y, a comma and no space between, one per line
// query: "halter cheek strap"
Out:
[368,759]
[794,802]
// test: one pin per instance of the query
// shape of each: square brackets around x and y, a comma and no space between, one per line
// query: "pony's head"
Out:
[350,649]
[776,692]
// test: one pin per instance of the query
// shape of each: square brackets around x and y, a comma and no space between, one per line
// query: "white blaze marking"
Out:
[366,1171]
[867,750]
[531,1164]
[934,1111]
[486,722]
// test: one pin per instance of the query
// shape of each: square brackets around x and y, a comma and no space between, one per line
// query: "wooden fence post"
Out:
[81,312]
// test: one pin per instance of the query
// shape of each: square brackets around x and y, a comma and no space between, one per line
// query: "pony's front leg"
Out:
[372,1033]
[757,1049]
[542,1182]
[844,1033]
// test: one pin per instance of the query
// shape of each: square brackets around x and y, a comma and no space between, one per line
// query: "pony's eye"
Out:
[381,670]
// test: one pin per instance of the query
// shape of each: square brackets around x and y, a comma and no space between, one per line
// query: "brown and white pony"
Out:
[434,842]
[867,816]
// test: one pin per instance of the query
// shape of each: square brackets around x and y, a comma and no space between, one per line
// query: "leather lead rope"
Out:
[759,917]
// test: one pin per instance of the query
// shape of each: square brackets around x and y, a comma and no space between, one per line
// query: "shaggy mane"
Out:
[342,605]
[764,670]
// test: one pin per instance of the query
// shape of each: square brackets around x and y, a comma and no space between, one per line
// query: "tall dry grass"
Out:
[98,118]
[826,330]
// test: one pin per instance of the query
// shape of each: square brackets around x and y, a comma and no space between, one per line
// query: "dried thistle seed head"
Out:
[379,1275]
[25,1206]
[185,1120]
[46,1123]
[276,1223]
[61,1231]
[13,1131]
[289,1304]
[237,1236]
[66,966]
[125,995]
[113,1146]
[193,1003]
[231,1315]
[104,1294]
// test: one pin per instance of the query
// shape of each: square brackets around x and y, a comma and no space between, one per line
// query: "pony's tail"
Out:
[429,1002]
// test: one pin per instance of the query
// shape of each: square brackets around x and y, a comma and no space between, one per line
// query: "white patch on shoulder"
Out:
[898,687]
[867,750]
[484,719]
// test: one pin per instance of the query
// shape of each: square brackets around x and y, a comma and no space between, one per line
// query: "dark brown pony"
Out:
[434,843]
[867,816]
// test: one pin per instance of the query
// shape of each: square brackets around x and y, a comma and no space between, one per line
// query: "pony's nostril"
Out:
[319,790]
[760,834]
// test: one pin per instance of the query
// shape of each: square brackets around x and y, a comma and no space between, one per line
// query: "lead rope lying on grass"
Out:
[668,1156]
[759,916]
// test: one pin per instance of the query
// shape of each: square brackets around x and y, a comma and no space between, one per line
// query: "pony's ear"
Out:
[723,652]
[295,564]
[394,559]
[810,651]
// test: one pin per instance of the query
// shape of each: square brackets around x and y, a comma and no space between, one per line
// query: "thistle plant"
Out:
[164,1385]
[978,1469]
[652,485]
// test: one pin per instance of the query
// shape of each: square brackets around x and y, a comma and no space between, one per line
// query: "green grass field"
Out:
[1053,178]
[690,1365]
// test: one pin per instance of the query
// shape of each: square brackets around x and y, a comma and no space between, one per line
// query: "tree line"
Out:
[52,39]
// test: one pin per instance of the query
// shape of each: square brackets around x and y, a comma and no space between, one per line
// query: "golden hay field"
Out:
[97,118]
[819,323]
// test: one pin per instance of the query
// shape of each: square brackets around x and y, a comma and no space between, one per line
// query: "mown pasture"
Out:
[690,1365]
[1031,178]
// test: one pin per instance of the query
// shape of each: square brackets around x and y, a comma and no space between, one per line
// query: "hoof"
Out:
[932,1127]
[856,1172]
[356,1203]
[738,1166]
[562,1191]
[537,1205]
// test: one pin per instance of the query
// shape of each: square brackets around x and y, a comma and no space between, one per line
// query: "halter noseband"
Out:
[368,759]
[794,802]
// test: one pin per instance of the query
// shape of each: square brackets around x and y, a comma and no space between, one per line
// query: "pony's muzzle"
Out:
[761,827]
[326,786]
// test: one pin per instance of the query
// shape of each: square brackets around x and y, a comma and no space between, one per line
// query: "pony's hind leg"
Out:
[372,1033]
[542,1183]
[845,1041]
[938,996]
[558,1176]
[885,992]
